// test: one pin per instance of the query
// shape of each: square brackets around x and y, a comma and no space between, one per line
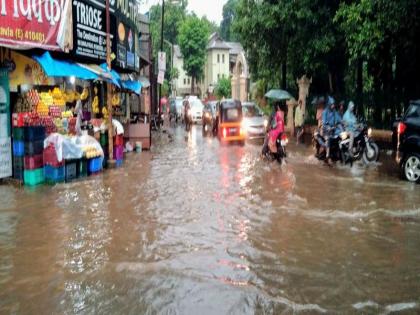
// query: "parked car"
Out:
[229,122]
[407,134]
[196,110]
[254,122]
[209,116]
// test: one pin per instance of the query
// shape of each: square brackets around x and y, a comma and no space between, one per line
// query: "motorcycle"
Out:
[339,146]
[280,155]
[188,120]
[364,148]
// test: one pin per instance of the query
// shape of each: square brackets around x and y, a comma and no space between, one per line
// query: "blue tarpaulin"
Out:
[58,68]
[115,77]
[134,86]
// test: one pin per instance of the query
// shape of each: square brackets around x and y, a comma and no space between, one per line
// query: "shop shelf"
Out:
[82,168]
[18,133]
[119,140]
[34,147]
[95,165]
[103,139]
[18,167]
[71,170]
[33,162]
[54,174]
[33,134]
[50,157]
[33,177]
[18,148]
[118,152]
[118,163]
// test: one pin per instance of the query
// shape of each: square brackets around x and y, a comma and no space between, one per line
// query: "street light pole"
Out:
[161,49]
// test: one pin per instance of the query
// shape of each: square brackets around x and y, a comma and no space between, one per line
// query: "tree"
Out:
[226,29]
[223,88]
[193,37]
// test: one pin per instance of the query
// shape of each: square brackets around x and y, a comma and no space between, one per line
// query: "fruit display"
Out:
[72,96]
[91,152]
[67,114]
[33,97]
[85,94]
[116,100]
[95,103]
[48,123]
[46,98]
[105,113]
[55,111]
[58,96]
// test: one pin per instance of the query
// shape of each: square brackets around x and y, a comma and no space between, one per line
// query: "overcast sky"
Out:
[212,8]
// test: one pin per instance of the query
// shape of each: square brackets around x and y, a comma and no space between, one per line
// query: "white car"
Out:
[197,111]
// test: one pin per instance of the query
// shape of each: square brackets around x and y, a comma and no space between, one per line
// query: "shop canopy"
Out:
[58,68]
[115,77]
[131,85]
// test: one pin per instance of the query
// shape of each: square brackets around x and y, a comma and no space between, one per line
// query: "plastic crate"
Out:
[54,174]
[33,162]
[118,163]
[118,140]
[94,165]
[118,152]
[103,139]
[33,177]
[18,133]
[50,157]
[34,147]
[82,168]
[71,170]
[18,148]
[34,133]
[18,162]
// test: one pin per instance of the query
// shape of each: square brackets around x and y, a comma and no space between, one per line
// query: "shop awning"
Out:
[115,77]
[134,86]
[145,83]
[58,68]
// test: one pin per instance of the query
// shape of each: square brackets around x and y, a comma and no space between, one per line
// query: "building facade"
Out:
[224,60]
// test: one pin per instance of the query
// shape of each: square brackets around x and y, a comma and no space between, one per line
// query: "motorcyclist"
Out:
[187,110]
[350,121]
[277,127]
[331,125]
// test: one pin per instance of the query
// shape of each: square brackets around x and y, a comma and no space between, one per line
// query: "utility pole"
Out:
[161,49]
[109,88]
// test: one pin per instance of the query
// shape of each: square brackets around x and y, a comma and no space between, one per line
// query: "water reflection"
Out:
[197,227]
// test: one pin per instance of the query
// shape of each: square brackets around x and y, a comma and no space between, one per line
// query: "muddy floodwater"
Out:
[193,227]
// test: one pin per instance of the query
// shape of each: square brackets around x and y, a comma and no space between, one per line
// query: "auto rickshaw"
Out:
[229,122]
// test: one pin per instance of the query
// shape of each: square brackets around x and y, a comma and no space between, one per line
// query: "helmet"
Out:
[330,101]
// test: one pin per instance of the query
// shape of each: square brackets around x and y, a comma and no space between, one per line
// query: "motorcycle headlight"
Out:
[369,132]
[245,124]
[344,135]
[265,123]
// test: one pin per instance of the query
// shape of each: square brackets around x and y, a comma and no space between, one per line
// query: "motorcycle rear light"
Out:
[224,133]
[401,128]
[284,137]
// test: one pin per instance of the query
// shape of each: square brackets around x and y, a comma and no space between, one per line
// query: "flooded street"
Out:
[198,228]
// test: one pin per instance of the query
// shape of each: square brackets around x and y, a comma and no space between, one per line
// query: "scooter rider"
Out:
[331,124]
[187,109]
[350,121]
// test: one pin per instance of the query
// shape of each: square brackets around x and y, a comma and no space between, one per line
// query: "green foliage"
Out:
[226,29]
[223,88]
[173,74]
[193,37]
[174,16]
[165,88]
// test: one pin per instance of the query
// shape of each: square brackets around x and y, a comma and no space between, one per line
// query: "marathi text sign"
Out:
[36,23]
[5,134]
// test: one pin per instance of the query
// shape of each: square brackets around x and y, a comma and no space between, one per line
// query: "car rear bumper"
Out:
[232,138]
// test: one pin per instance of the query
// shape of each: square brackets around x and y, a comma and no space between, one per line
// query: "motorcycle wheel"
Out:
[372,155]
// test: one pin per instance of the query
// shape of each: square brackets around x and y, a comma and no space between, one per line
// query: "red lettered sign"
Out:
[43,24]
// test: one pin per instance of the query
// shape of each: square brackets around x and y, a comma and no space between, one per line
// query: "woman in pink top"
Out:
[274,133]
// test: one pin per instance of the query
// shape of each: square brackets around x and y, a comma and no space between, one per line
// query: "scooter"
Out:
[280,155]
[364,148]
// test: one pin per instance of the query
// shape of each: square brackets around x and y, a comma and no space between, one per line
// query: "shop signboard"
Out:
[5,134]
[161,77]
[122,35]
[162,60]
[36,24]
[131,54]
[89,29]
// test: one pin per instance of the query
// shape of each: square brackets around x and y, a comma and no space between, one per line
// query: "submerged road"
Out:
[195,228]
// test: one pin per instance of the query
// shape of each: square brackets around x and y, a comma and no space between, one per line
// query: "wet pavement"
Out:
[196,228]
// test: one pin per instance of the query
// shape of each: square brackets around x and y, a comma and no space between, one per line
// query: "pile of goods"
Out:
[91,152]
[59,98]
